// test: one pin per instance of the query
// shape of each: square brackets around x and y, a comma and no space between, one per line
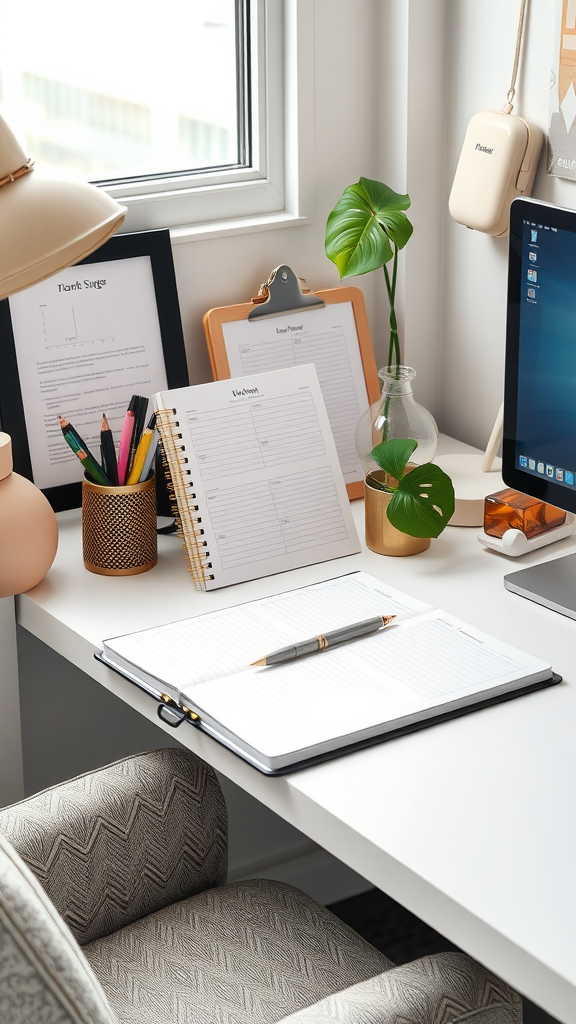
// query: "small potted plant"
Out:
[406,505]
[365,231]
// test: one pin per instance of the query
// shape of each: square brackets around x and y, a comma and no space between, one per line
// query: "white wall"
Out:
[219,271]
[479,52]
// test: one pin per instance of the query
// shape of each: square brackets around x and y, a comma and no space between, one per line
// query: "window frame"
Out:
[269,187]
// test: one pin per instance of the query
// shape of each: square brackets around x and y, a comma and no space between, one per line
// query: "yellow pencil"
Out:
[141,453]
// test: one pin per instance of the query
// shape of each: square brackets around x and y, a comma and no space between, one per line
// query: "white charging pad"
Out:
[514,543]
[471,486]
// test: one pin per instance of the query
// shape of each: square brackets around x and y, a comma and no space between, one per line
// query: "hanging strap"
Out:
[508,107]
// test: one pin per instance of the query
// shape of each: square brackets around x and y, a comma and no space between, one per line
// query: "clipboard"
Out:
[285,325]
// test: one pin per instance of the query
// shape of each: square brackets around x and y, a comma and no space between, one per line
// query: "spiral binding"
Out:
[181,494]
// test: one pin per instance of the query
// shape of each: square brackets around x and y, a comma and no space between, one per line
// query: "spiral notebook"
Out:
[256,478]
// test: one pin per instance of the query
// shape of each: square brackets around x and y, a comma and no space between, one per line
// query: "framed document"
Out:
[80,344]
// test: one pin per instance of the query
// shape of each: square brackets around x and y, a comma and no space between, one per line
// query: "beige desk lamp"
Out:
[45,225]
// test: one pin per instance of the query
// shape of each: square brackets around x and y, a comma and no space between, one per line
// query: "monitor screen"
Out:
[539,437]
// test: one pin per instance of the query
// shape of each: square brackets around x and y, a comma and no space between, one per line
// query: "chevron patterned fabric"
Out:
[114,845]
[246,953]
[437,989]
[133,856]
[44,977]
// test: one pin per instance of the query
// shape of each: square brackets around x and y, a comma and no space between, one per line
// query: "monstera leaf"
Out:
[422,503]
[366,219]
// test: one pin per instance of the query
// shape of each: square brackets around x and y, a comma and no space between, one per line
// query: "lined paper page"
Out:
[264,473]
[326,337]
[352,691]
[209,646]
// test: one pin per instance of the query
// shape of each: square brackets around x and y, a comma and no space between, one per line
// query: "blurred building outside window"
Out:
[125,89]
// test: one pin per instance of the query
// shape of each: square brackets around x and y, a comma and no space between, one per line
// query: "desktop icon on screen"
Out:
[540,467]
[549,471]
[531,464]
[533,276]
[532,256]
[523,461]
[533,236]
[560,475]
[569,477]
[531,293]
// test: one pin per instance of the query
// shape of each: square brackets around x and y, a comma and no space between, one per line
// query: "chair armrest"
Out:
[439,989]
[116,844]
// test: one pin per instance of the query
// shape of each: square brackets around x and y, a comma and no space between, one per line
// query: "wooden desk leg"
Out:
[11,765]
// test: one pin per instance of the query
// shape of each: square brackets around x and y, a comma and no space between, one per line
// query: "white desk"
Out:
[470,824]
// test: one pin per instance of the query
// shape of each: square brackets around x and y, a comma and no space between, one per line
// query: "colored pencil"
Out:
[140,406]
[67,428]
[124,450]
[88,461]
[108,452]
[149,461]
[135,473]
[78,445]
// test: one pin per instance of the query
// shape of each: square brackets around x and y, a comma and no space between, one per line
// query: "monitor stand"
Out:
[552,584]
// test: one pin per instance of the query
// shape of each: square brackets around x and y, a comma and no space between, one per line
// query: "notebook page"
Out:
[326,337]
[265,473]
[401,674]
[195,650]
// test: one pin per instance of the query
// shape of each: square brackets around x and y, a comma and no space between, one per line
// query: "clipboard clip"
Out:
[282,293]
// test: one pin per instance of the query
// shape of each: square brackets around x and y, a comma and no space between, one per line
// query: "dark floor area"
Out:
[403,937]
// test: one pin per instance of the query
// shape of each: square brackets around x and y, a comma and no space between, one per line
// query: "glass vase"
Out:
[396,415]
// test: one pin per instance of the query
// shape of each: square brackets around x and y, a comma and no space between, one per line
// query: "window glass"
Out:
[123,88]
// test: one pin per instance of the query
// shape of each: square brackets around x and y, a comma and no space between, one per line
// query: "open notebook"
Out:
[426,665]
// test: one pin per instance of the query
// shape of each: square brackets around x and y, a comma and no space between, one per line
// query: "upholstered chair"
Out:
[114,909]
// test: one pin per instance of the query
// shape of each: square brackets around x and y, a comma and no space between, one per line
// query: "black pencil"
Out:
[108,452]
[140,406]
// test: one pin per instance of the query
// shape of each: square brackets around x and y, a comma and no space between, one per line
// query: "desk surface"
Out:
[470,824]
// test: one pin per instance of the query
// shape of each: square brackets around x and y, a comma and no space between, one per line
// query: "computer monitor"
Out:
[539,435]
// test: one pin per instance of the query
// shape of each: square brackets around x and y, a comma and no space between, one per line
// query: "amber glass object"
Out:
[512,510]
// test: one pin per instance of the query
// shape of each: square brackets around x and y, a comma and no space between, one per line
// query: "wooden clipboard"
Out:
[280,296]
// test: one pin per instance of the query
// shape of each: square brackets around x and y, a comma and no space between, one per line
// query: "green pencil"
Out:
[88,461]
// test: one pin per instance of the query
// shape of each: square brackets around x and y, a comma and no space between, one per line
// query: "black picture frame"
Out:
[155,244]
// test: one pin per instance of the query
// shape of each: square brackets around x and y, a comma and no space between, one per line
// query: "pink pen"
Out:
[124,449]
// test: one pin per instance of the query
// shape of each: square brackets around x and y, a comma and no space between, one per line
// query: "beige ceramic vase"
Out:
[28,528]
[381,536]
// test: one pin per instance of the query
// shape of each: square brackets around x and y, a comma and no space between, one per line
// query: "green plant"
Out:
[422,501]
[365,230]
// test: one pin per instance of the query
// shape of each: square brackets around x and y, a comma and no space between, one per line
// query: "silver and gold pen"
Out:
[325,640]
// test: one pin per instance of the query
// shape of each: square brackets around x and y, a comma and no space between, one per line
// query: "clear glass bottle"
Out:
[396,415]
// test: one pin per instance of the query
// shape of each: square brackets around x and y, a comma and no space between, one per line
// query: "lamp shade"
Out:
[46,224]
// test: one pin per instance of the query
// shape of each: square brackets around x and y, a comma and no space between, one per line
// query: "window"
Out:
[177,112]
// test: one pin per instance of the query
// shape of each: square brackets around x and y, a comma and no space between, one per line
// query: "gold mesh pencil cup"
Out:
[119,528]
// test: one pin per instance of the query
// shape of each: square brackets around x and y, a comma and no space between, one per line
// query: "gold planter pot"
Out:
[381,536]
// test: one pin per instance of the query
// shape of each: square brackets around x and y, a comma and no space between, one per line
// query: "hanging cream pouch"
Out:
[498,163]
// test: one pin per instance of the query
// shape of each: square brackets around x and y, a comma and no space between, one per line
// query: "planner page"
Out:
[404,673]
[263,473]
[181,654]
[326,337]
